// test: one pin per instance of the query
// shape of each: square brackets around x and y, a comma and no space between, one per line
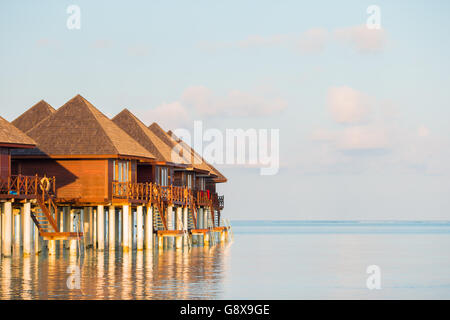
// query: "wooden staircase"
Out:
[192,223]
[45,217]
[159,222]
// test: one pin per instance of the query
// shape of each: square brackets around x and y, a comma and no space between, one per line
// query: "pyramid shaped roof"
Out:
[33,116]
[145,137]
[219,176]
[10,136]
[80,129]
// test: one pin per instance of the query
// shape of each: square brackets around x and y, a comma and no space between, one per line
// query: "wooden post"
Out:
[111,227]
[100,227]
[139,228]
[125,228]
[149,228]
[7,229]
[27,229]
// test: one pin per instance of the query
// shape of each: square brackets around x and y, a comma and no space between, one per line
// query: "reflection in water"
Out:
[170,274]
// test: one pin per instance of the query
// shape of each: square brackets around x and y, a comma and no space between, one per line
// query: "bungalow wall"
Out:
[83,179]
[5,163]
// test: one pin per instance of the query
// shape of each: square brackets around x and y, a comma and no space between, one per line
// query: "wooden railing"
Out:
[27,186]
[152,192]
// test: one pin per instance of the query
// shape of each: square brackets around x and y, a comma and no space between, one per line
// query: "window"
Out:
[162,176]
[121,171]
[189,181]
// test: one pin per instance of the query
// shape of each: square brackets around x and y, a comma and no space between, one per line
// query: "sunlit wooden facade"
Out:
[81,165]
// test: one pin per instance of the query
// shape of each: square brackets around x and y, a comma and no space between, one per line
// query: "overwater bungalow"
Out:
[103,174]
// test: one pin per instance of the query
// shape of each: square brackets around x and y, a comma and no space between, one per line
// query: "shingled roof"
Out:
[219,176]
[79,129]
[147,138]
[33,116]
[193,161]
[13,137]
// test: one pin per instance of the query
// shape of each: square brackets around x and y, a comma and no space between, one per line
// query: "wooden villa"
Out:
[97,177]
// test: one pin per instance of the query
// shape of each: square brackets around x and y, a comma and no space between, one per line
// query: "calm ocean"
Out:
[266,260]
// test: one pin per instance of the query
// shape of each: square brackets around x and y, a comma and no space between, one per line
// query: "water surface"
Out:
[266,260]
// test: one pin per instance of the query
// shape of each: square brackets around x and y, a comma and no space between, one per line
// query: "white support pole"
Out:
[149,228]
[27,229]
[125,228]
[117,229]
[72,242]
[111,227]
[139,228]
[179,226]
[16,229]
[170,224]
[100,228]
[185,225]
[7,229]
[130,228]
[37,241]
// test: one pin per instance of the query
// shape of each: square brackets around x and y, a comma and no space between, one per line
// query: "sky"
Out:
[362,113]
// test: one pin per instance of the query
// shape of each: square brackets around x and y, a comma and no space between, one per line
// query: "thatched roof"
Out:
[79,129]
[33,116]
[13,137]
[144,136]
[219,176]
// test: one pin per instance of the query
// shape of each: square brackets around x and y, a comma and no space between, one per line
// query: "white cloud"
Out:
[363,39]
[423,131]
[168,115]
[235,103]
[313,40]
[348,105]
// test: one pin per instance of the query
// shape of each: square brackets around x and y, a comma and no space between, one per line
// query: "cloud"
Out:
[361,38]
[258,41]
[235,103]
[313,40]
[139,50]
[348,105]
[423,131]
[169,115]
[101,44]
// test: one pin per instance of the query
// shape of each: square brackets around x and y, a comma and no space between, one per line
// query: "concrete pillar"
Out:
[94,228]
[200,217]
[205,218]
[72,242]
[117,228]
[67,228]
[16,229]
[111,227]
[86,227]
[160,242]
[125,228]
[7,229]
[206,239]
[185,225]
[51,244]
[101,228]
[27,223]
[149,228]
[170,225]
[37,241]
[139,228]
[130,228]
[179,226]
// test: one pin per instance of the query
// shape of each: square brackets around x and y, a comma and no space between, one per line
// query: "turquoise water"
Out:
[266,260]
